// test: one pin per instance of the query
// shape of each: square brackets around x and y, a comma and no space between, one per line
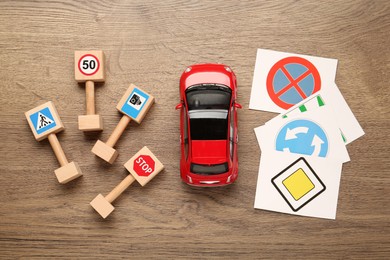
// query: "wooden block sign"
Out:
[144,166]
[44,120]
[135,103]
[89,65]
[89,68]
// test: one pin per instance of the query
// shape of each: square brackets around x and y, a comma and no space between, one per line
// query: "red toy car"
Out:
[208,125]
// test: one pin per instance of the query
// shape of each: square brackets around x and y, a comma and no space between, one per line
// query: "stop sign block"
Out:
[144,165]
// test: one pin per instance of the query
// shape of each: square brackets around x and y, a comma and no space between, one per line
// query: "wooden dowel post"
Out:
[67,171]
[103,205]
[118,131]
[90,97]
[120,188]
[55,144]
[134,104]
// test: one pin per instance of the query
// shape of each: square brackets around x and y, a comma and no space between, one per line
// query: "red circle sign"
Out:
[88,64]
[144,165]
[291,80]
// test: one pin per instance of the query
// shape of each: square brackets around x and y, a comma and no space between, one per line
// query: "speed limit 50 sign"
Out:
[89,65]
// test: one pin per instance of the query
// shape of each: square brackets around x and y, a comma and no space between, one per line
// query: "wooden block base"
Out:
[90,123]
[102,206]
[105,152]
[68,172]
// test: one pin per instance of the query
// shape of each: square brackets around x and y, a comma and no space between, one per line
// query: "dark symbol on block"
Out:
[43,121]
[135,100]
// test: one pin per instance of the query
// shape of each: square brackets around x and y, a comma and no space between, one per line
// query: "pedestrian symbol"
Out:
[302,137]
[43,120]
[291,80]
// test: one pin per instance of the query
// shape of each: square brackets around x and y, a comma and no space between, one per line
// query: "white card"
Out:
[312,133]
[282,79]
[332,97]
[292,184]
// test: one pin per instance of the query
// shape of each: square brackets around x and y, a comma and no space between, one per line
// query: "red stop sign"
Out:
[144,165]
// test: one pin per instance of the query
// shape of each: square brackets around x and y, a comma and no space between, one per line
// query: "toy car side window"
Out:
[231,131]
[185,130]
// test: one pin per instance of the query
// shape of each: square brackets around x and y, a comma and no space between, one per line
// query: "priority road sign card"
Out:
[135,103]
[44,120]
[282,79]
[296,185]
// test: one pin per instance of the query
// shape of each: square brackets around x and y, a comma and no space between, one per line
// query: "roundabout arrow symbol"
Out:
[292,133]
[317,142]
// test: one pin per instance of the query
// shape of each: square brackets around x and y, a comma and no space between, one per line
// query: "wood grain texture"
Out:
[149,43]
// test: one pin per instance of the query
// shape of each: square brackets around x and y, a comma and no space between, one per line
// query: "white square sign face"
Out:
[136,100]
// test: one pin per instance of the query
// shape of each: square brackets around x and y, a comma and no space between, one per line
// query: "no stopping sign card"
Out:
[282,80]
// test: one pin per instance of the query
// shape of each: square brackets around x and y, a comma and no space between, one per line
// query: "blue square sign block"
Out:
[42,120]
[135,103]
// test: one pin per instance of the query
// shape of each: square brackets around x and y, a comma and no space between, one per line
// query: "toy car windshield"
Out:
[208,111]
[208,96]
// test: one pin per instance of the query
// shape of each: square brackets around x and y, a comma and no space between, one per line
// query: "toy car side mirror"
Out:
[179,106]
[236,105]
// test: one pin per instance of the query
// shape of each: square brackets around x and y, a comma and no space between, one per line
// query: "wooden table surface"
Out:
[150,43]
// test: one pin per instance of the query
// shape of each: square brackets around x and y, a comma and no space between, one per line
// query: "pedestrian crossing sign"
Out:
[44,120]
